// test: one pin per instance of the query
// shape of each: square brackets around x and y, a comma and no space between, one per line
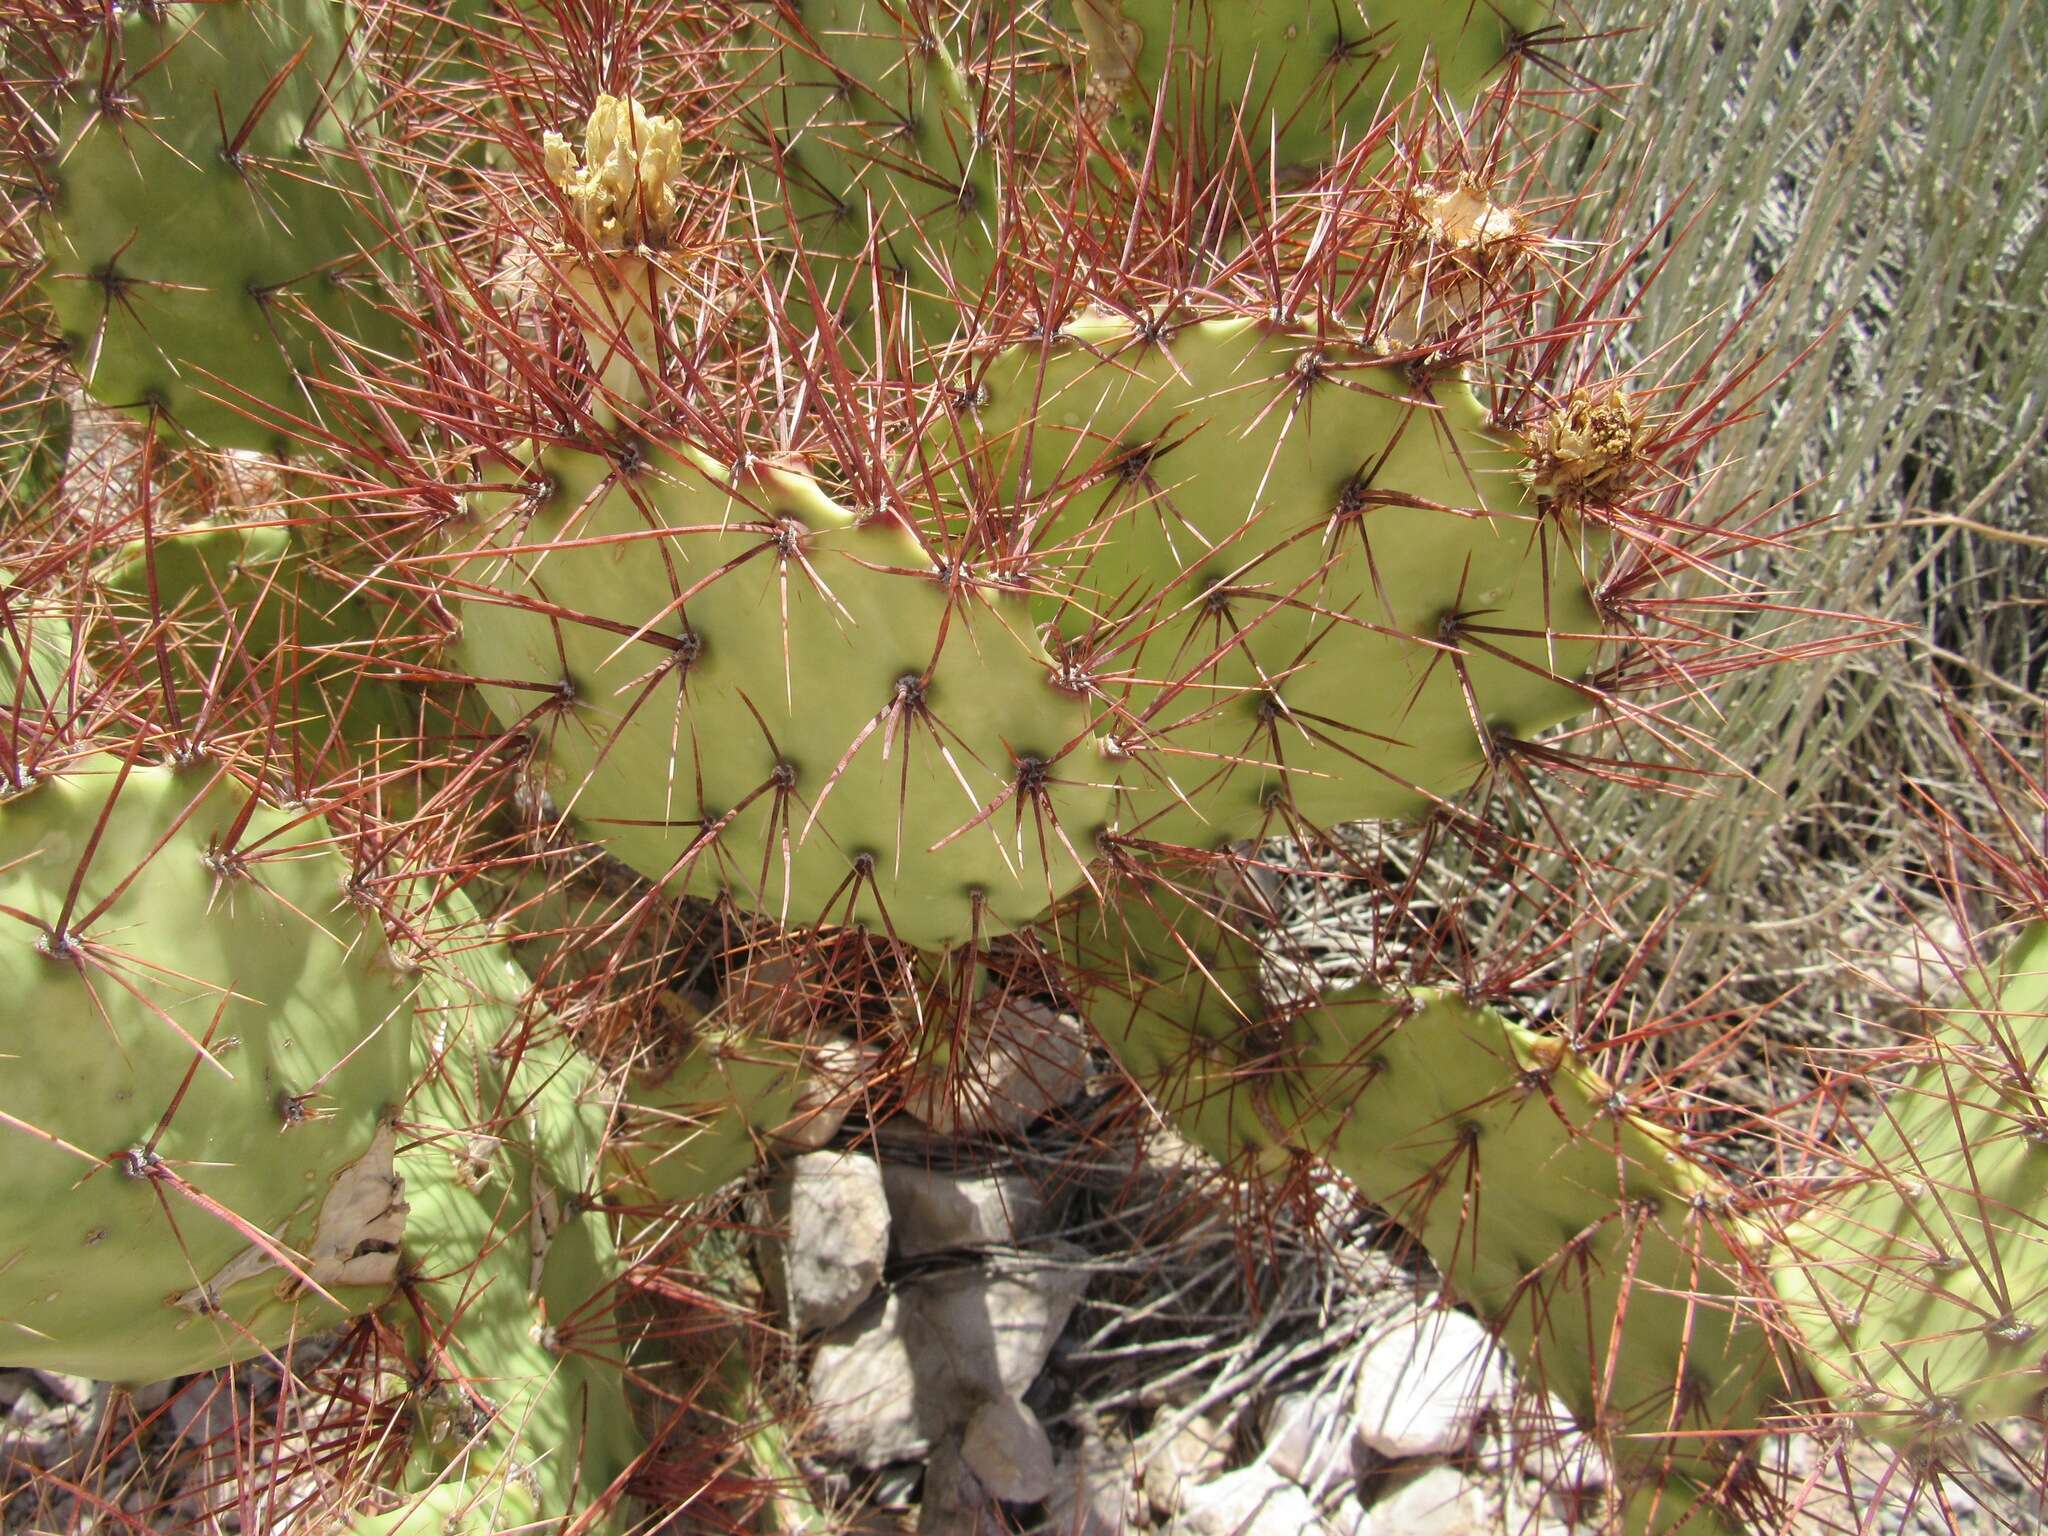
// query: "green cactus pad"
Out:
[193,267]
[871,135]
[510,1270]
[483,1506]
[115,1258]
[35,438]
[300,641]
[520,1405]
[749,691]
[1256,541]
[1922,1292]
[1606,1260]
[1310,77]
[702,1124]
[1599,1251]
[35,650]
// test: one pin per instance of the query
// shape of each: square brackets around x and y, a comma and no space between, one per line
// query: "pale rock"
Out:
[1252,1501]
[993,1324]
[38,1433]
[55,1387]
[1011,1066]
[1423,1382]
[954,1502]
[1575,1509]
[933,1211]
[909,1367]
[1309,1437]
[1538,1440]
[1094,1488]
[1924,965]
[147,1398]
[830,1237]
[1350,1518]
[1178,1451]
[835,1074]
[1441,1502]
[1006,1447]
[1572,1469]
[864,1388]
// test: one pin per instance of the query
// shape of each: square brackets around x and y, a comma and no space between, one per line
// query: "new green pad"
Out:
[1310,77]
[1922,1291]
[1606,1259]
[869,152]
[518,1371]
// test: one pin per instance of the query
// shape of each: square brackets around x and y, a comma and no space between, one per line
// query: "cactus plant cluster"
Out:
[937,488]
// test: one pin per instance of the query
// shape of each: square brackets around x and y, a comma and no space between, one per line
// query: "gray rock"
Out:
[933,1211]
[835,1075]
[1349,1518]
[911,1366]
[830,1236]
[1013,1065]
[864,1390]
[1423,1381]
[1551,1448]
[1006,1447]
[55,1387]
[1177,1452]
[1309,1437]
[38,1433]
[1252,1501]
[995,1323]
[1441,1502]
[954,1502]
[1923,964]
[1094,1488]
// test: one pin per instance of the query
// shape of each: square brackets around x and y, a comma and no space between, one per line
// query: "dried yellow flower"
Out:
[623,190]
[1463,249]
[1592,444]
[1463,219]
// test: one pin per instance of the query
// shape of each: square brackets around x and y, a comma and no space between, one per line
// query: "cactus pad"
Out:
[251,615]
[869,156]
[1923,1291]
[1582,1232]
[205,1055]
[1308,77]
[518,1389]
[208,219]
[746,690]
[1302,577]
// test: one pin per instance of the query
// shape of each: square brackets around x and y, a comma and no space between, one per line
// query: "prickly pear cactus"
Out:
[745,689]
[1311,585]
[516,1406]
[210,1047]
[1921,1288]
[209,231]
[1320,77]
[870,157]
[247,610]
[1436,1109]
[36,656]
[934,485]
